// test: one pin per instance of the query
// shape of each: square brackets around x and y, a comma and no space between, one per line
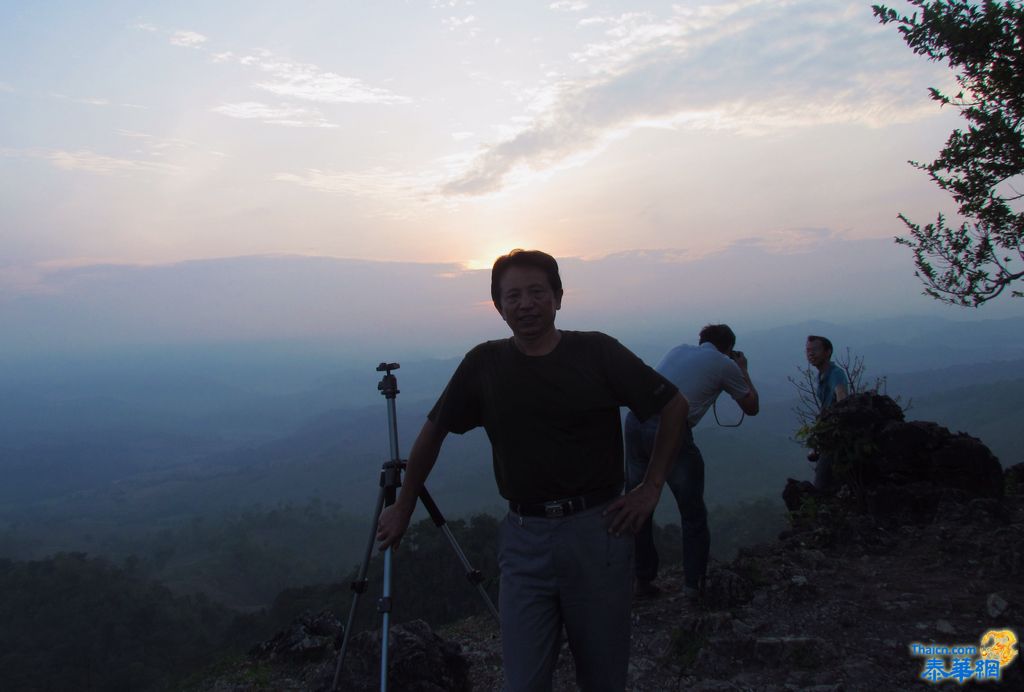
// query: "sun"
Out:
[485,260]
[477,264]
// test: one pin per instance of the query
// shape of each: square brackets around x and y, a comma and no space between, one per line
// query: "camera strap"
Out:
[714,409]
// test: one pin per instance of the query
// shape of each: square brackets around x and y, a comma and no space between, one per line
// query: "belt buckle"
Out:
[554,510]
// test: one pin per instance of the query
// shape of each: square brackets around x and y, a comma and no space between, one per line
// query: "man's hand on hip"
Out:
[633,509]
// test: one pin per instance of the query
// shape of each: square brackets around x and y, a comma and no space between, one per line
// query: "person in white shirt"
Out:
[701,373]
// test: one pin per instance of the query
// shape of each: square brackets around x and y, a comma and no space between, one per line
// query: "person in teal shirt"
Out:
[833,386]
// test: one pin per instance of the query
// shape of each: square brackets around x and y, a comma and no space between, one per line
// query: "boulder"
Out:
[418,661]
[796,492]
[308,638]
[874,447]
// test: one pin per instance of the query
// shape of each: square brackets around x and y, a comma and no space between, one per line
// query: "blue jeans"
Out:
[564,572]
[686,480]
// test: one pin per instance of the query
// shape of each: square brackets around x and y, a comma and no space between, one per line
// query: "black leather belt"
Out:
[563,507]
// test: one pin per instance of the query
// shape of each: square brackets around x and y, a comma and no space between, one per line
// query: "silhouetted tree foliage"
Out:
[744,524]
[808,405]
[668,539]
[982,167]
[247,558]
[72,622]
[732,527]
[428,581]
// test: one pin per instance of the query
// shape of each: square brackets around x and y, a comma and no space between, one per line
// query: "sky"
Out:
[446,132]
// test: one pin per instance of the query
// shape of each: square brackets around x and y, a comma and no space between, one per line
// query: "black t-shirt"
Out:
[553,420]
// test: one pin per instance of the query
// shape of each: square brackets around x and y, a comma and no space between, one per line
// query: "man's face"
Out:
[816,353]
[528,303]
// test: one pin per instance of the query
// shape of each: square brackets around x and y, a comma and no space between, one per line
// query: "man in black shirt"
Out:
[549,401]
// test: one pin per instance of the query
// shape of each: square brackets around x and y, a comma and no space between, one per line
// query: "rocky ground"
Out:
[827,607]
[814,613]
[925,544]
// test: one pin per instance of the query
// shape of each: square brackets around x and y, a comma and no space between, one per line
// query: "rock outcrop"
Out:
[419,661]
[308,638]
[304,657]
[893,470]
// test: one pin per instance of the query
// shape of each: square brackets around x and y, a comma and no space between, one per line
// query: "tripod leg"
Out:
[385,628]
[358,587]
[472,573]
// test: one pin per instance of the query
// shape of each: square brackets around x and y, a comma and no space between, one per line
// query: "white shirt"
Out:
[702,373]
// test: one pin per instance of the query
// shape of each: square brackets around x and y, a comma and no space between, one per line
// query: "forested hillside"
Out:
[73,622]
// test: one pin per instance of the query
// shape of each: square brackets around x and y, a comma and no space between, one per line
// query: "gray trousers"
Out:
[564,572]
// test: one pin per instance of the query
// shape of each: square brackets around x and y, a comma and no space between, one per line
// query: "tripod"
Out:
[390,481]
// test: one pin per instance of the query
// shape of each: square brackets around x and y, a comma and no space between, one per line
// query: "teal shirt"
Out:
[832,377]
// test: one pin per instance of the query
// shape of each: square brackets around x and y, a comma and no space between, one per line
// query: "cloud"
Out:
[396,188]
[6,88]
[400,193]
[295,80]
[750,66]
[89,101]
[161,146]
[92,162]
[24,280]
[290,116]
[647,294]
[187,39]
[568,6]
[308,82]
[467,24]
[791,241]
[454,23]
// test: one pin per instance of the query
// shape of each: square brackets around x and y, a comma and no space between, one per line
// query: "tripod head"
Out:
[388,384]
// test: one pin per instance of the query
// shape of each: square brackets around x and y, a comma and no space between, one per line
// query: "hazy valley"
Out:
[147,453]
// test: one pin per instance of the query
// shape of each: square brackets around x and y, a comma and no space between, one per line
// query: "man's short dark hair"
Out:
[524,258]
[720,336]
[824,342]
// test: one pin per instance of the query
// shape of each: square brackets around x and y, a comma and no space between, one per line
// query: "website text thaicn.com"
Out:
[938,650]
[963,662]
